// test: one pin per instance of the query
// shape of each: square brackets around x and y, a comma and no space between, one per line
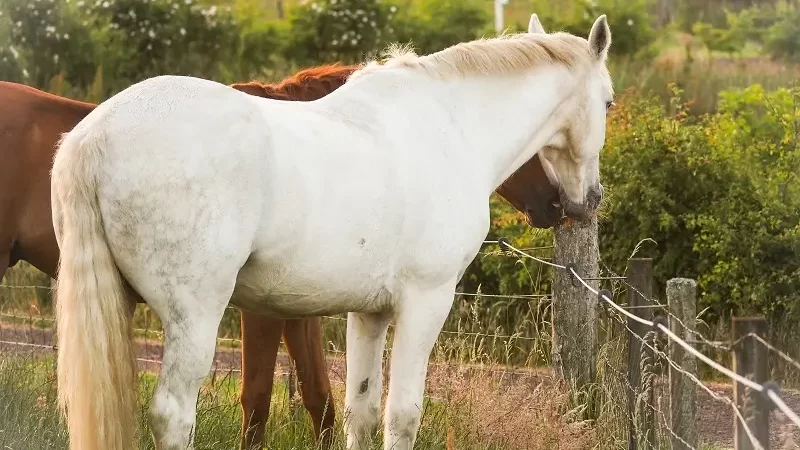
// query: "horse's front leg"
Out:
[366,339]
[421,314]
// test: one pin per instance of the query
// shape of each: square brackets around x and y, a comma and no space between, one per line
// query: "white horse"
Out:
[372,201]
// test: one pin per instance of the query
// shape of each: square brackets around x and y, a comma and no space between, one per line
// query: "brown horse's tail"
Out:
[96,366]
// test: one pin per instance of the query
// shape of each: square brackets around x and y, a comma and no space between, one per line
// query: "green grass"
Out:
[29,417]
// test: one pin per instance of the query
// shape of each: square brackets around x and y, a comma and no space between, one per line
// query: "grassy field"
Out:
[474,400]
[455,417]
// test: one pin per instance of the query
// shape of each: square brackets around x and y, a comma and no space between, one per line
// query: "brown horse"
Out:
[30,126]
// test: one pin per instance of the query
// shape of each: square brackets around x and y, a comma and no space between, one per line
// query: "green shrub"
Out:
[631,21]
[433,25]
[156,37]
[782,40]
[44,38]
[325,31]
[718,194]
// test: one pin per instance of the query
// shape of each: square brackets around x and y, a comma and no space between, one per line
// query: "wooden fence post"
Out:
[641,425]
[575,307]
[682,302]
[750,360]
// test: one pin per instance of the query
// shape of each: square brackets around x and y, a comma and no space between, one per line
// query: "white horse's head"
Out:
[574,150]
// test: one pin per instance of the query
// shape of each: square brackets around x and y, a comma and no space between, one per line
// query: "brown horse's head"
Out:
[534,191]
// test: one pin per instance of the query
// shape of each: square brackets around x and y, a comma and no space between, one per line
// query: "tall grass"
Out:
[700,79]
[461,412]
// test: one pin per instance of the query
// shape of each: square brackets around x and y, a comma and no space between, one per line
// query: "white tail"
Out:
[96,367]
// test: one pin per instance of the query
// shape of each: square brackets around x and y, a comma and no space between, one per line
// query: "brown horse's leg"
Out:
[261,337]
[303,338]
[5,259]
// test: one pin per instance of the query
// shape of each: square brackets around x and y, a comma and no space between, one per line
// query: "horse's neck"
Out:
[504,120]
[508,119]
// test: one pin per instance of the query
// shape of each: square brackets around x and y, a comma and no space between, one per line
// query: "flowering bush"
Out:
[145,38]
[45,37]
[338,30]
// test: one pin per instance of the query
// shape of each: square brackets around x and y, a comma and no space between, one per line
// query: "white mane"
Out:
[504,54]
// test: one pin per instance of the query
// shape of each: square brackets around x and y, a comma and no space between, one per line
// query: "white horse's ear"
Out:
[534,26]
[600,38]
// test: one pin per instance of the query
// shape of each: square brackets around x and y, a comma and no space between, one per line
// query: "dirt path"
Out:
[715,418]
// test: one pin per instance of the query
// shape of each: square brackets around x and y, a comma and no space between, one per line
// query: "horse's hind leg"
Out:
[261,337]
[190,331]
[303,338]
[366,339]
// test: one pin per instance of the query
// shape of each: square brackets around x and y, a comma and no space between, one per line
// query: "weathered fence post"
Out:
[641,424]
[682,302]
[575,307]
[750,360]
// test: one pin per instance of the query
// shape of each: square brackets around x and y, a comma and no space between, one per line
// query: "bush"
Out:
[630,21]
[782,40]
[718,194]
[44,38]
[433,25]
[156,37]
[325,31]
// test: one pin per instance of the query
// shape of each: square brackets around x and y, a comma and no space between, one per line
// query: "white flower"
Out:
[132,14]
[333,2]
[334,42]
[66,36]
[149,46]
[393,8]
[25,73]
[19,23]
[14,52]
[188,2]
[354,41]
[152,34]
[183,31]
[106,5]
[49,29]
[55,58]
[630,22]
[80,4]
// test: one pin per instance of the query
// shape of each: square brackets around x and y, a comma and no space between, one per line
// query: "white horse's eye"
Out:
[609,105]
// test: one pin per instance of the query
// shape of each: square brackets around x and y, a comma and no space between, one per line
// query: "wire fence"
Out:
[26,324]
